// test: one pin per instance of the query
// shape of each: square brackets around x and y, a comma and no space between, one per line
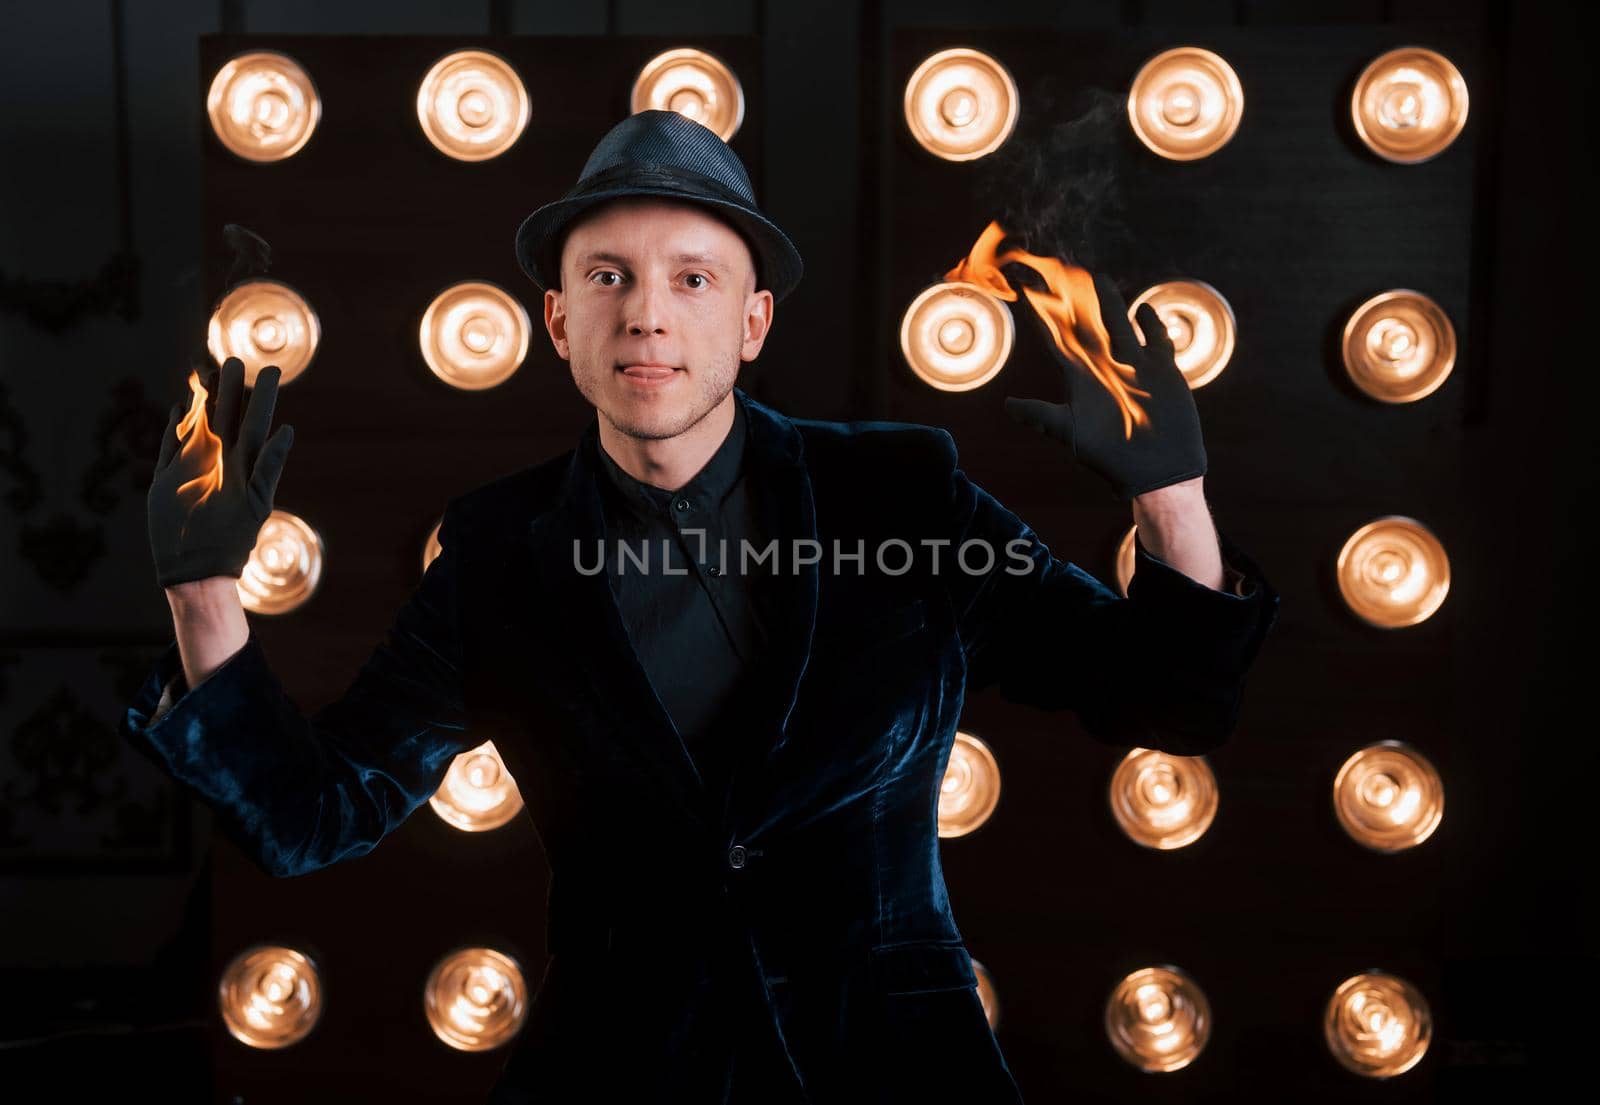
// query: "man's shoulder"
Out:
[874,445]
[524,493]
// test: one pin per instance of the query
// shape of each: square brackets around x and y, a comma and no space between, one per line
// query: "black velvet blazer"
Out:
[810,896]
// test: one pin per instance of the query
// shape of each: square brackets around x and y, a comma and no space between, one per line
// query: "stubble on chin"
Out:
[712,387]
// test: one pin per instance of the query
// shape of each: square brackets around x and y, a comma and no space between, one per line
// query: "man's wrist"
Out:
[1174,524]
[202,595]
[1175,496]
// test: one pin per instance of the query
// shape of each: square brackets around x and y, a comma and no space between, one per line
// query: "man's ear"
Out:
[555,321]
[757,323]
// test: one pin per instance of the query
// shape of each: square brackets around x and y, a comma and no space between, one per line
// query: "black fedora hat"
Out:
[662,153]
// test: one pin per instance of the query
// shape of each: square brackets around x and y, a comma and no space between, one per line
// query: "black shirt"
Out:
[694,618]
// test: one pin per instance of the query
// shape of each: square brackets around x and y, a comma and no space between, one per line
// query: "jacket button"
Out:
[736,856]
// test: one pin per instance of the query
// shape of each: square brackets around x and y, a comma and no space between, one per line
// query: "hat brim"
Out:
[778,262]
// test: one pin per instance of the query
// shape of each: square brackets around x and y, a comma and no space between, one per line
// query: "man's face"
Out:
[656,281]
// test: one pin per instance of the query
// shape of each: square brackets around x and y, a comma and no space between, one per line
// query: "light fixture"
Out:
[955,336]
[1185,103]
[1200,325]
[988,996]
[431,548]
[696,84]
[1127,559]
[477,793]
[961,104]
[285,567]
[1393,572]
[263,106]
[1377,1024]
[264,322]
[1158,1019]
[1399,346]
[475,999]
[270,996]
[474,335]
[1388,797]
[472,105]
[1163,801]
[1409,104]
[970,787]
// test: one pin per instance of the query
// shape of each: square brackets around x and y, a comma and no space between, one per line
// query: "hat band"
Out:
[654,174]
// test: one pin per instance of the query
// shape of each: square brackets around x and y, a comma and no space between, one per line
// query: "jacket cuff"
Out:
[1241,576]
[165,688]
[1229,625]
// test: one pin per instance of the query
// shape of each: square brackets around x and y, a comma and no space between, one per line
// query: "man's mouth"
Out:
[647,371]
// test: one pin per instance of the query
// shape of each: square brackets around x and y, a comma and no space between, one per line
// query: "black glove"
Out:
[196,538]
[1166,451]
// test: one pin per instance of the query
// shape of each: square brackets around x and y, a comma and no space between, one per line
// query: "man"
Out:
[732,753]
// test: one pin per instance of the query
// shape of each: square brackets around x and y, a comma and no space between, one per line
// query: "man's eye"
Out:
[696,276]
[608,273]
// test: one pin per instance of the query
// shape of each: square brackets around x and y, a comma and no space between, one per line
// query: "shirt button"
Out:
[682,504]
[736,856]
[714,570]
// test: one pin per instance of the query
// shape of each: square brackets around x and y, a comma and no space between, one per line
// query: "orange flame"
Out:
[202,449]
[1070,311]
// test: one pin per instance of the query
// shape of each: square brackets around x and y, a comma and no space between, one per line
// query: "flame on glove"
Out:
[201,447]
[1070,310]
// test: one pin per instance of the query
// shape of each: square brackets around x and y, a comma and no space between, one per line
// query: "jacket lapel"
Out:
[580,611]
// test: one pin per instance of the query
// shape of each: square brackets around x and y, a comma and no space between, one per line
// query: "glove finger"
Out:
[258,415]
[1072,371]
[169,437]
[1156,338]
[1054,419]
[1114,314]
[269,467]
[230,385]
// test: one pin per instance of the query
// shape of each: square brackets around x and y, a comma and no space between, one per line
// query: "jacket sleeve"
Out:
[1163,668]
[297,793]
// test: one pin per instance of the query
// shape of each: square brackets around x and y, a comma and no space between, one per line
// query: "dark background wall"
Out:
[117,906]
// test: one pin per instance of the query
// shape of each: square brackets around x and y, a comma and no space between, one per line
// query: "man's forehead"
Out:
[610,233]
[697,257]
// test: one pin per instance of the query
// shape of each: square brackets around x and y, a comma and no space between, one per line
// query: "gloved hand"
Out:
[198,528]
[1166,451]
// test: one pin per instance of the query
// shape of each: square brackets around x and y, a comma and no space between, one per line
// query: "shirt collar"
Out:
[706,489]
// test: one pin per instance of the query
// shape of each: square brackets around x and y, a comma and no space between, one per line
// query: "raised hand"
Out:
[213,483]
[1163,449]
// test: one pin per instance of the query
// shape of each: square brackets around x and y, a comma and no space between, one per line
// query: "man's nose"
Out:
[645,309]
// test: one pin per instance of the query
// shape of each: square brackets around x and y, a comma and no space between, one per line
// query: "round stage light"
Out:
[1388,797]
[477,793]
[263,106]
[472,105]
[1185,103]
[961,104]
[1409,104]
[475,999]
[1393,572]
[694,83]
[1399,346]
[1163,801]
[1158,1019]
[264,322]
[432,547]
[1377,1024]
[1199,323]
[956,336]
[285,567]
[988,996]
[970,789]
[474,335]
[270,996]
